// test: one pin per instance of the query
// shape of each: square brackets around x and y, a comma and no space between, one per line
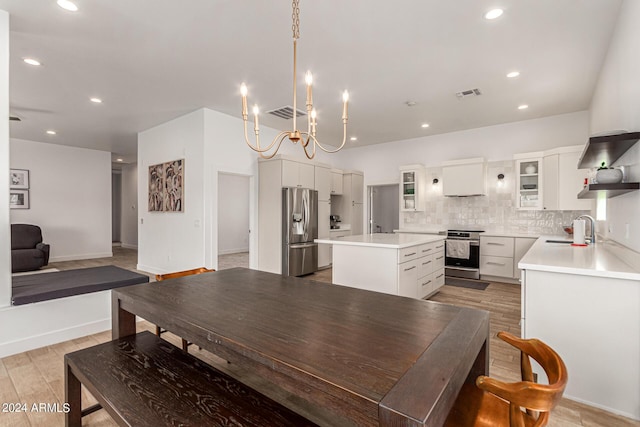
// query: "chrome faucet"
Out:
[592,238]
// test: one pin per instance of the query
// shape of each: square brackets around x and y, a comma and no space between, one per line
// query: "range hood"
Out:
[464,178]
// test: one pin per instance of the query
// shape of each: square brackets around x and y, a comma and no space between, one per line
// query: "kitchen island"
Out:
[585,303]
[410,265]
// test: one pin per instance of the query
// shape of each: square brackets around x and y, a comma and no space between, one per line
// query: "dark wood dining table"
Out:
[367,357]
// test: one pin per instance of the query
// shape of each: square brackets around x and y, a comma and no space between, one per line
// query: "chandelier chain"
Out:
[296,19]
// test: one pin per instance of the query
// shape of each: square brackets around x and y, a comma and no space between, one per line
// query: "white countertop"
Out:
[603,259]
[422,230]
[432,230]
[383,240]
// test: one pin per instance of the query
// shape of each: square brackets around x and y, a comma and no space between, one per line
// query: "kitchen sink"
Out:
[559,241]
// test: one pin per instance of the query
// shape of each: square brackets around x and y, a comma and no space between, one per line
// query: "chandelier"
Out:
[307,139]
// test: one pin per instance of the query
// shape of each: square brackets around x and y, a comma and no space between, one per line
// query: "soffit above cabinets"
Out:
[606,149]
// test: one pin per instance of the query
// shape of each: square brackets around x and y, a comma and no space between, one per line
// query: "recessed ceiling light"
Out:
[119,160]
[354,138]
[513,74]
[32,61]
[96,100]
[523,107]
[68,5]
[425,125]
[493,14]
[51,132]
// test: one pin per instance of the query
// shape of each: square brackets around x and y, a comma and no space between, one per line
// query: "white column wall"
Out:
[5,230]
[616,106]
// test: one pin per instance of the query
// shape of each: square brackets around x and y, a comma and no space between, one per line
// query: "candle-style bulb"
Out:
[345,96]
[308,78]
[314,114]
[243,89]
[256,110]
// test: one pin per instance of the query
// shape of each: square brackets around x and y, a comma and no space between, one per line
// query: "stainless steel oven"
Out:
[460,260]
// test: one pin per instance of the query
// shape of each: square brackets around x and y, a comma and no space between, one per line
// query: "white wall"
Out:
[116,205]
[616,105]
[211,143]
[172,241]
[5,230]
[129,212]
[70,197]
[233,213]
[381,162]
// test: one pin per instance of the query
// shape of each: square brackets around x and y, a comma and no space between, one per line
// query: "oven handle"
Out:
[471,242]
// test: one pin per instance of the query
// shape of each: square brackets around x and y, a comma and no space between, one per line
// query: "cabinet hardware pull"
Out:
[410,268]
[439,276]
[411,254]
[439,257]
[425,263]
[495,244]
[495,263]
[426,250]
[426,283]
[441,246]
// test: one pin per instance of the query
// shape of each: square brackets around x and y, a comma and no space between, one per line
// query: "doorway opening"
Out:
[384,212]
[233,220]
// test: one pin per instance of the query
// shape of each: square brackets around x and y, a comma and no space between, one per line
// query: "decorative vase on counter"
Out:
[531,169]
[608,176]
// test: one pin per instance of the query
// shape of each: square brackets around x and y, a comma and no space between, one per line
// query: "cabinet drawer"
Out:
[408,279]
[496,266]
[426,249]
[496,246]
[408,254]
[438,246]
[438,261]
[425,286]
[425,265]
[438,279]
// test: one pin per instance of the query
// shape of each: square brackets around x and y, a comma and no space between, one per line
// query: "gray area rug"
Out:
[464,283]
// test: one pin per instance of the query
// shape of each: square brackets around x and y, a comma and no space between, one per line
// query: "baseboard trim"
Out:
[603,407]
[129,246]
[81,256]
[499,279]
[233,251]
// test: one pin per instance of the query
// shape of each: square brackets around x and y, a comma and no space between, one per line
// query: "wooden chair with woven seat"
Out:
[161,277]
[490,402]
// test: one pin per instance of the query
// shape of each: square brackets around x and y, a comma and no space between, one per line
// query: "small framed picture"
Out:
[19,178]
[19,199]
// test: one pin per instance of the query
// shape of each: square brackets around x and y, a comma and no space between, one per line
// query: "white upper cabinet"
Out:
[412,186]
[529,174]
[295,174]
[336,182]
[464,177]
[563,180]
[323,182]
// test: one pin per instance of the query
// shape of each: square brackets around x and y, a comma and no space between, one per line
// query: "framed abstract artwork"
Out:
[166,187]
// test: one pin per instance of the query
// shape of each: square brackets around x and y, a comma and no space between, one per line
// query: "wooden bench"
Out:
[142,380]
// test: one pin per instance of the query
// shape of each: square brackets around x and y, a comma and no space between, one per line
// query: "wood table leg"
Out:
[123,323]
[72,392]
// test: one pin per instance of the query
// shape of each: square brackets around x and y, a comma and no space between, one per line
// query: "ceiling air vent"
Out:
[286,112]
[468,93]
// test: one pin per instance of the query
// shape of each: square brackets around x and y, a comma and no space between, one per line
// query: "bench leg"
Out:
[72,390]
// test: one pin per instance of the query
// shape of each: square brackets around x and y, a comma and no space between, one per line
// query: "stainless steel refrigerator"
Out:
[299,229]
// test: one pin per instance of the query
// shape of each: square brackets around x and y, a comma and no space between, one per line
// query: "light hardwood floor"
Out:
[37,376]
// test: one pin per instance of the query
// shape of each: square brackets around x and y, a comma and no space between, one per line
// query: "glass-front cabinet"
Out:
[529,183]
[411,188]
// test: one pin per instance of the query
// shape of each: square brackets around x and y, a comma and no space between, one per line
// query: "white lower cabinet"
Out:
[499,256]
[430,268]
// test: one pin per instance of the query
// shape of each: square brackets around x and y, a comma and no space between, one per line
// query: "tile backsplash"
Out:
[494,212]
